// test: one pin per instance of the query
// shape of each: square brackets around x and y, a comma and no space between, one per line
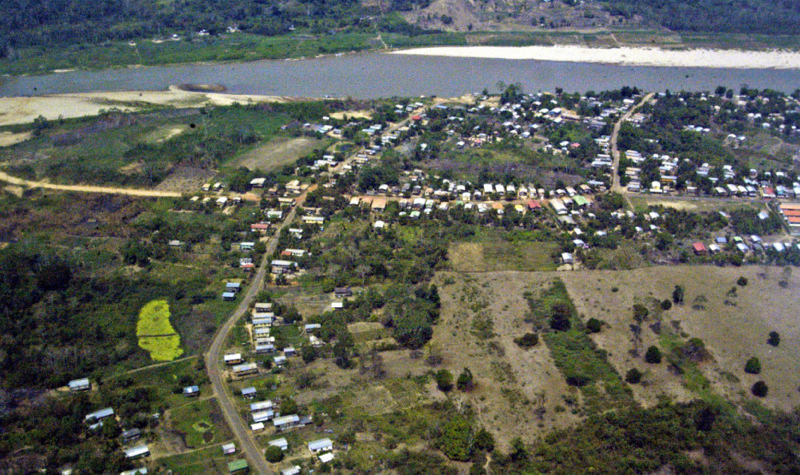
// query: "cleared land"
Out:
[155,332]
[278,152]
[519,392]
[501,255]
[734,326]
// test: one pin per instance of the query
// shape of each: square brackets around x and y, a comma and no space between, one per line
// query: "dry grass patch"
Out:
[501,255]
[278,152]
[733,325]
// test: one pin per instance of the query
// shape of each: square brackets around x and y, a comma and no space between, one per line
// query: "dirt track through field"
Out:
[146,193]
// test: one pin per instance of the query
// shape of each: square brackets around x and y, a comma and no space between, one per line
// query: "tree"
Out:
[594,325]
[640,312]
[753,366]
[633,376]
[705,418]
[760,389]
[309,353]
[742,281]
[273,454]
[560,318]
[666,304]
[444,380]
[774,338]
[54,276]
[288,406]
[653,355]
[484,440]
[465,380]
[456,440]
[518,450]
[527,340]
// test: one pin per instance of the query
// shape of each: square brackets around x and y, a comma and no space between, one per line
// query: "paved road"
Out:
[241,431]
[147,193]
[615,155]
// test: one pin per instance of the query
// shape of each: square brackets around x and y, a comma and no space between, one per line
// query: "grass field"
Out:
[501,255]
[734,325]
[200,423]
[278,152]
[203,461]
[155,332]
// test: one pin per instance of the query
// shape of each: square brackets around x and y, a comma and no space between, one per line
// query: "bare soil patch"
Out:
[278,152]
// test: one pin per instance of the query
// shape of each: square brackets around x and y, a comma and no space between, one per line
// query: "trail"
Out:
[109,190]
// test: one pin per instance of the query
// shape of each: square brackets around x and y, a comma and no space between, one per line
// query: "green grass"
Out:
[200,422]
[207,460]
[578,359]
[155,332]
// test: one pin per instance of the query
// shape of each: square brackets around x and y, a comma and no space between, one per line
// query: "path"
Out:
[227,404]
[157,365]
[147,193]
[615,155]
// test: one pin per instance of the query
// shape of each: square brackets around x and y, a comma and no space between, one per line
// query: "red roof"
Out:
[533,204]
[259,226]
[791,212]
[793,219]
[416,117]
[699,247]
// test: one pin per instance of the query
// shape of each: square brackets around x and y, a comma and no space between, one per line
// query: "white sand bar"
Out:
[701,58]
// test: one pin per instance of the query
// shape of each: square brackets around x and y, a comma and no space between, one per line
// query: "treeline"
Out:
[730,16]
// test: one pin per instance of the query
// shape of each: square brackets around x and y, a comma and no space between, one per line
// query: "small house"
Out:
[137,452]
[261,406]
[279,360]
[249,392]
[131,434]
[257,427]
[321,445]
[233,286]
[567,258]
[233,358]
[238,466]
[82,384]
[191,391]
[99,415]
[286,422]
[289,351]
[228,296]
[280,443]
[699,248]
[342,292]
[293,470]
[280,266]
[228,449]
[326,457]
[244,369]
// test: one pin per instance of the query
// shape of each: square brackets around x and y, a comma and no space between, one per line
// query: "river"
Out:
[371,75]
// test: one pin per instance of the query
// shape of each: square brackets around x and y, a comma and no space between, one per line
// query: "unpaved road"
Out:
[615,186]
[146,193]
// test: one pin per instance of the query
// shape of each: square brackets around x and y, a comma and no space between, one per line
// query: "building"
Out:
[137,452]
[228,296]
[249,393]
[131,434]
[244,369]
[286,422]
[228,449]
[321,445]
[699,248]
[280,443]
[342,292]
[263,416]
[238,466]
[293,470]
[326,457]
[191,391]
[233,358]
[261,406]
[280,266]
[82,384]
[99,415]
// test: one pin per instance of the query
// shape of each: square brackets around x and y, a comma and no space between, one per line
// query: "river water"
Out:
[372,75]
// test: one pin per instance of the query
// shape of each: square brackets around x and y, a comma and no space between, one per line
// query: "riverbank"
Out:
[21,110]
[628,56]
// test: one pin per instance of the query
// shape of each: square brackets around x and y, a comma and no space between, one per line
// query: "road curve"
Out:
[615,155]
[213,357]
[146,193]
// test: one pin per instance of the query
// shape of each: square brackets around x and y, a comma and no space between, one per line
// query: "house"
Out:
[228,449]
[247,246]
[82,384]
[261,406]
[699,248]
[293,470]
[232,358]
[263,416]
[249,392]
[321,445]
[263,348]
[260,228]
[280,266]
[342,292]
[279,360]
[133,471]
[286,422]
[228,296]
[567,258]
[191,391]
[310,327]
[244,369]
[257,427]
[131,434]
[233,286]
[238,466]
[289,351]
[137,452]
[280,443]
[326,457]
[258,182]
[99,415]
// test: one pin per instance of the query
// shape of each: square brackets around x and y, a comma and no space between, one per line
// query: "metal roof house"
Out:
[249,392]
[321,445]
[191,391]
[280,443]
[136,452]
[82,384]
[286,422]
[228,449]
[99,415]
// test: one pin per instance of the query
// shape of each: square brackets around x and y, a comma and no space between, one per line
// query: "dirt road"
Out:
[226,402]
[615,184]
[146,193]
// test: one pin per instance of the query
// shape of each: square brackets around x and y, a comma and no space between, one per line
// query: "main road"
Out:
[615,155]
[244,437]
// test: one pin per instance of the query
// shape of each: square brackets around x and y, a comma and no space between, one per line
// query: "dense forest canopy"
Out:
[730,16]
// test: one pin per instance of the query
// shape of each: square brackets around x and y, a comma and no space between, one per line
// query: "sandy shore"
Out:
[20,110]
[627,56]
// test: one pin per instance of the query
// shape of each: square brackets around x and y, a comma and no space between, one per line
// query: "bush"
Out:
[753,366]
[527,340]
[444,380]
[560,318]
[273,454]
[666,304]
[677,294]
[774,339]
[465,381]
[742,281]
[484,440]
[633,376]
[594,325]
[653,355]
[640,312]
[456,439]
[760,389]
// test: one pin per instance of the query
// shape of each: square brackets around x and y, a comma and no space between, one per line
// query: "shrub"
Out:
[742,281]
[666,304]
[444,380]
[484,440]
[633,376]
[273,454]
[753,366]
[456,439]
[774,339]
[560,318]
[594,325]
[640,312]
[527,340]
[465,381]
[653,355]
[760,389]
[677,294]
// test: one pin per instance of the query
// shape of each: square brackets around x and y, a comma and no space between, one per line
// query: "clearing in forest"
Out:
[155,332]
